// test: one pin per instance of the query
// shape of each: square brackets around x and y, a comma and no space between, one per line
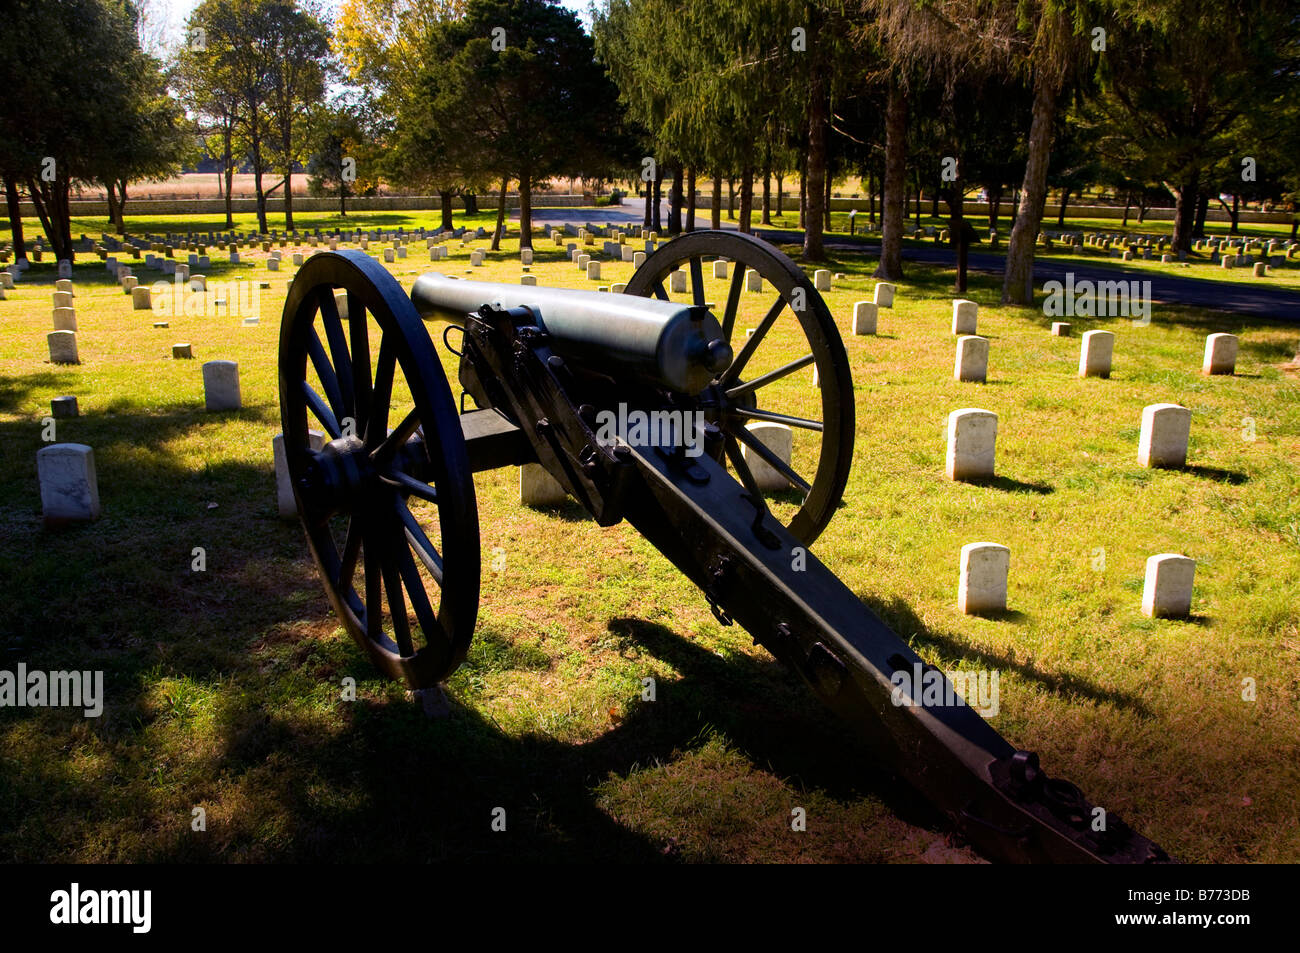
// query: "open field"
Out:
[224,686]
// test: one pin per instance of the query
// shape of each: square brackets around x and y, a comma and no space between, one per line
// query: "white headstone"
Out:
[982,585]
[181,352]
[972,436]
[972,362]
[283,489]
[1167,592]
[865,314]
[1220,354]
[593,271]
[62,299]
[719,269]
[64,285]
[537,487]
[677,282]
[1061,329]
[476,257]
[965,316]
[69,486]
[526,256]
[638,259]
[65,319]
[822,279]
[528,279]
[779,439]
[63,347]
[221,385]
[884,294]
[1095,351]
[1165,432]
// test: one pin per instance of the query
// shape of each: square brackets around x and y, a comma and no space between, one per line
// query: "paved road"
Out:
[1276,304]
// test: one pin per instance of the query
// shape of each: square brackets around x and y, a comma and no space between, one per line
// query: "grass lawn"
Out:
[224,687]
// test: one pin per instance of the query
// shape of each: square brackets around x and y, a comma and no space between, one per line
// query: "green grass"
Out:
[224,687]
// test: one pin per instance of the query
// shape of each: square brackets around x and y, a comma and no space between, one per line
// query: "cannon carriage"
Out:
[389,511]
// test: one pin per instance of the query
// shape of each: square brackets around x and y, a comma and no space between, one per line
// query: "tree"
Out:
[299,44]
[341,147]
[1179,95]
[519,101]
[66,109]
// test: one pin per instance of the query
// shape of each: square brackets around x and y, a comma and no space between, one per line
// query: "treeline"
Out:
[1165,101]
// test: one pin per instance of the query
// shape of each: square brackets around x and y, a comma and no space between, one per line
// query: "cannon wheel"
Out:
[738,401]
[354,493]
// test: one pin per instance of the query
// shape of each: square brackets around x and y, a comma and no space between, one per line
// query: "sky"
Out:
[177,10]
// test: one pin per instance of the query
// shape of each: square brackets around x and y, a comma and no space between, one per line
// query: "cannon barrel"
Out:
[679,346]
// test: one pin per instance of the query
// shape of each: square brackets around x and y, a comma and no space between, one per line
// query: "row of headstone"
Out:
[984,570]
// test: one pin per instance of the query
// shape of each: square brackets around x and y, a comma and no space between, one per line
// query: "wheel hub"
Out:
[338,477]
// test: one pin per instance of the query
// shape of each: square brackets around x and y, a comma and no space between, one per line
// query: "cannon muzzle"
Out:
[678,346]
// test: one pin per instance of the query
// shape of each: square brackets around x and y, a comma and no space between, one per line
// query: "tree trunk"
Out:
[228,135]
[871,198]
[746,199]
[1018,280]
[262,226]
[995,204]
[731,197]
[934,203]
[14,202]
[1065,200]
[715,207]
[918,198]
[645,220]
[957,231]
[444,203]
[892,212]
[110,195]
[1128,202]
[767,196]
[690,199]
[525,210]
[675,203]
[471,203]
[1202,206]
[803,190]
[655,222]
[815,221]
[1142,207]
[1185,211]
[51,201]
[1235,213]
[501,216]
[780,193]
[288,198]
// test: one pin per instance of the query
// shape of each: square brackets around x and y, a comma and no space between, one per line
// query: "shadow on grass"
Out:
[1008,485]
[1218,474]
[901,618]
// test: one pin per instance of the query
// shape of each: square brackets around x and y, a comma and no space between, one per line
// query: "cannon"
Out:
[388,505]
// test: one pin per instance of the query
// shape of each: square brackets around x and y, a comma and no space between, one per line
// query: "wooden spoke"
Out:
[359,334]
[772,460]
[733,301]
[325,371]
[386,451]
[659,290]
[322,413]
[773,417]
[338,345]
[381,397]
[351,550]
[741,467]
[411,485]
[738,365]
[697,281]
[420,542]
[762,381]
[392,561]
